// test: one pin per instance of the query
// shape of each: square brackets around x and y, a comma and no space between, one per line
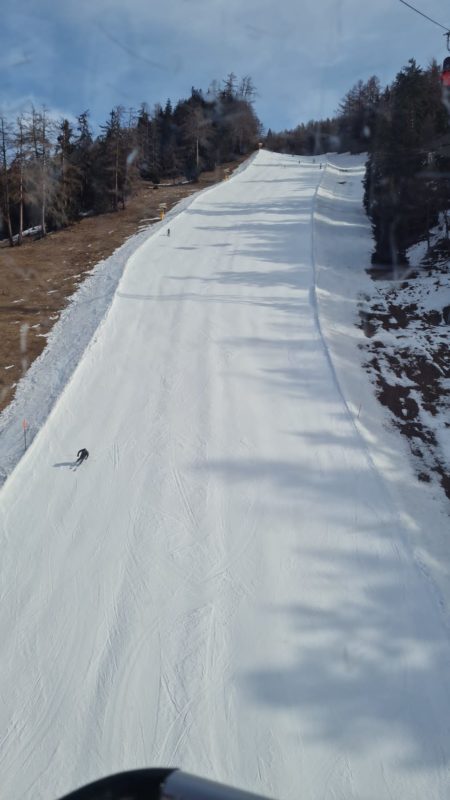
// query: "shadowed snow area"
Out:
[228,583]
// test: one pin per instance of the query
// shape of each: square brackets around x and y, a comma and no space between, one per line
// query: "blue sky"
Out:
[303,57]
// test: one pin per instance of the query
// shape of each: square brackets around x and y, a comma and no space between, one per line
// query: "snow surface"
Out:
[245,579]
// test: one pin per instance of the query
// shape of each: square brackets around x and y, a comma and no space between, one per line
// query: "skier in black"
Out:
[82,455]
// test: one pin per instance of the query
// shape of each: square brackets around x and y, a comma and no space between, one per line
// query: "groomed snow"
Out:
[235,582]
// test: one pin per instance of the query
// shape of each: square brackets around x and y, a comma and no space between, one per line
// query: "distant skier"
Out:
[82,455]
[168,231]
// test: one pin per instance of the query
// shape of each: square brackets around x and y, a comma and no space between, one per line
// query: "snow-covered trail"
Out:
[225,585]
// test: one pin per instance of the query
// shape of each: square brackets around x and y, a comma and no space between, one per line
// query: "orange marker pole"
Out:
[25,426]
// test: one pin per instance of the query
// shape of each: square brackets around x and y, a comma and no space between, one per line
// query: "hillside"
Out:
[40,276]
[405,318]
[245,578]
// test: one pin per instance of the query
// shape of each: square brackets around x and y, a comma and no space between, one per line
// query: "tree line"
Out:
[54,172]
[406,185]
[349,130]
[405,129]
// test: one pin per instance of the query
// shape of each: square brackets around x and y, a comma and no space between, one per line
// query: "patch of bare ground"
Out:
[39,277]
[410,365]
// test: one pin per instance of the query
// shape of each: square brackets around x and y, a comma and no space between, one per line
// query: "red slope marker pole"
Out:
[25,426]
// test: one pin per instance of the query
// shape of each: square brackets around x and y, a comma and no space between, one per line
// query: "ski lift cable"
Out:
[446,29]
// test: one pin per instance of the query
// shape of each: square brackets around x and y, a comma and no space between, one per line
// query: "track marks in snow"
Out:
[191,680]
[182,599]
[179,482]
[223,568]
[115,456]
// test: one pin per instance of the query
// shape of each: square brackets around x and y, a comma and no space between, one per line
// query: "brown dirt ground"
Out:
[424,373]
[38,278]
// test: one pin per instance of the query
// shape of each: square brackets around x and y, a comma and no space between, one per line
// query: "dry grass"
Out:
[38,278]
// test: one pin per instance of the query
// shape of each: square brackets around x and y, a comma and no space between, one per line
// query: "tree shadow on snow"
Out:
[364,662]
[367,670]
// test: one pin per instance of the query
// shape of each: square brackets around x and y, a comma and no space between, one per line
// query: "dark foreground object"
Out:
[157,784]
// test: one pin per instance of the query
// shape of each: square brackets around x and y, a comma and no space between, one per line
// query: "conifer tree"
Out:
[39,184]
[5,178]
[401,191]
[113,154]
[66,203]
[83,160]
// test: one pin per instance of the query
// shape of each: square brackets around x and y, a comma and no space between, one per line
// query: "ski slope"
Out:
[227,585]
